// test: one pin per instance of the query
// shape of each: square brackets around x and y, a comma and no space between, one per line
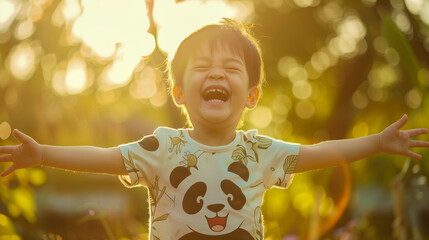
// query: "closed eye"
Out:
[200,68]
[233,69]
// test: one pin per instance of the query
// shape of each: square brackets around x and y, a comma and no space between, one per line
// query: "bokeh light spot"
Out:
[161,97]
[261,116]
[70,9]
[76,77]
[320,61]
[380,45]
[304,3]
[9,10]
[37,176]
[305,109]
[414,6]
[302,89]
[413,98]
[359,99]
[383,76]
[423,13]
[21,61]
[285,64]
[24,29]
[402,21]
[3,220]
[304,202]
[297,73]
[352,27]
[5,130]
[392,56]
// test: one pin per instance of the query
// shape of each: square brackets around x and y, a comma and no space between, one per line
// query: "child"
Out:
[207,182]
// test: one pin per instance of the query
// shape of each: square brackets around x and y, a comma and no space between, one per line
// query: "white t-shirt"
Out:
[203,192]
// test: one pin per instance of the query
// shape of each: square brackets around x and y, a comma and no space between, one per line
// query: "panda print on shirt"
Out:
[213,205]
[201,192]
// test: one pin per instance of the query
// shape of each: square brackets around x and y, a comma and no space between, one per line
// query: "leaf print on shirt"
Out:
[177,143]
[240,154]
[131,168]
[258,224]
[290,163]
[261,143]
[155,195]
[288,167]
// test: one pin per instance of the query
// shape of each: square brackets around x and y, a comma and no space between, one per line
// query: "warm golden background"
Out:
[92,72]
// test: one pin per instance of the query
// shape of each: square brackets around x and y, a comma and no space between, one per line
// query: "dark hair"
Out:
[228,33]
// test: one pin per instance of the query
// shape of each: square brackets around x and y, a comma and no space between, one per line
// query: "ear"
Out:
[253,97]
[178,96]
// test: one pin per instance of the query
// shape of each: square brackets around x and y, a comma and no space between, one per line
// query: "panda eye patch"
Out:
[238,199]
[192,201]
[240,169]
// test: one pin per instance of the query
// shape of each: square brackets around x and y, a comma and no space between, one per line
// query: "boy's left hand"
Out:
[395,141]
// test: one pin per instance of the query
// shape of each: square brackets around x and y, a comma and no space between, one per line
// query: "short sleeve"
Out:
[279,159]
[141,159]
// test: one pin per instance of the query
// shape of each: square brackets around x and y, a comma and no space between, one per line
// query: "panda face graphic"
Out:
[211,200]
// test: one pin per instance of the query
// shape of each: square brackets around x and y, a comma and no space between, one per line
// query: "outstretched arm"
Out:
[391,140]
[80,158]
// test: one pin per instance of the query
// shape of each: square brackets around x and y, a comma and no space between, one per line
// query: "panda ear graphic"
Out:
[178,175]
[240,169]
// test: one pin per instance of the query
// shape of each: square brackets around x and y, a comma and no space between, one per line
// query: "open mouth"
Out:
[217,223]
[215,95]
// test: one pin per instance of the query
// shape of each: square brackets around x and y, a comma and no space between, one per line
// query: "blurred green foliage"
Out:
[335,69]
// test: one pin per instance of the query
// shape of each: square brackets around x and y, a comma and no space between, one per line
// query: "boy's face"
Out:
[215,87]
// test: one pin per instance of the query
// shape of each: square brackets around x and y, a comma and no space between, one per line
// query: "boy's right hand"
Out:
[27,154]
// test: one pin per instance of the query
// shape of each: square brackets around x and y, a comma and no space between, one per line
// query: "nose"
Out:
[216,74]
[215,207]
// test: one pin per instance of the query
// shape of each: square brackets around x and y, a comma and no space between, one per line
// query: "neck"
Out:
[213,136]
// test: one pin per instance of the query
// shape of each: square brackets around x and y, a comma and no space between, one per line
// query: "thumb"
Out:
[21,136]
[401,122]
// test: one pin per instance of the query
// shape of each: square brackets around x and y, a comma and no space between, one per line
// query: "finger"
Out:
[7,149]
[401,122]
[416,132]
[8,171]
[414,155]
[6,158]
[21,136]
[415,143]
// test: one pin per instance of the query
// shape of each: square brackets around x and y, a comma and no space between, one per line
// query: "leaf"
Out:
[130,163]
[239,153]
[161,218]
[161,194]
[264,142]
[255,151]
[289,164]
[396,39]
[244,161]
